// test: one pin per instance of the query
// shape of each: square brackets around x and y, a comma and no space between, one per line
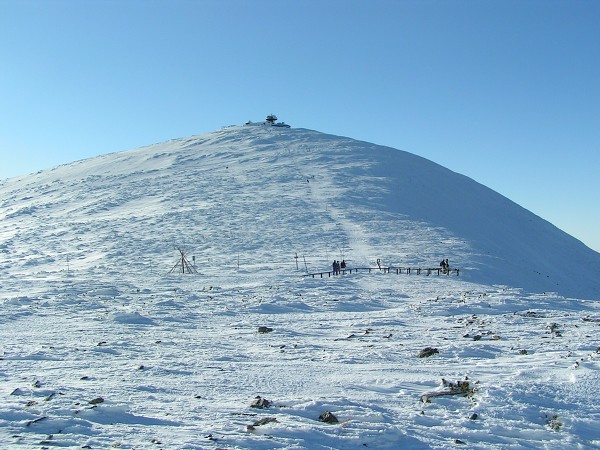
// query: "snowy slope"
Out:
[88,309]
[265,194]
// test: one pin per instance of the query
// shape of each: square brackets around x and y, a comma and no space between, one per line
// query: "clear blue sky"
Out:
[506,92]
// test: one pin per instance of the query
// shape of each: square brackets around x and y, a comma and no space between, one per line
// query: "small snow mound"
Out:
[131,318]
[19,301]
[106,292]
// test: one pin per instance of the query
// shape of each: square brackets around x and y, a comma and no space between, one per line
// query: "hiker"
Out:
[444,265]
[379,263]
[343,264]
[336,267]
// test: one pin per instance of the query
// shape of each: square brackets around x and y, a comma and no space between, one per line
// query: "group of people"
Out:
[445,265]
[338,266]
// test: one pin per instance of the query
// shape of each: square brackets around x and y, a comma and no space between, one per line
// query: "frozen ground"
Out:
[178,361]
[101,347]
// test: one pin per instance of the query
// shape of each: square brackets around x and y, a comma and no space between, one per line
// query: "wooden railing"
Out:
[397,270]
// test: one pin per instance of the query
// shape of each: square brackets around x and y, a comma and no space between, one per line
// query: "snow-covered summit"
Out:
[262,195]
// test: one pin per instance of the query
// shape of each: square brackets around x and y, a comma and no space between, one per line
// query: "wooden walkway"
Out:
[397,270]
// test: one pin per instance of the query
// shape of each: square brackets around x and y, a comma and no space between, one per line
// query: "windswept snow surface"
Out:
[100,346]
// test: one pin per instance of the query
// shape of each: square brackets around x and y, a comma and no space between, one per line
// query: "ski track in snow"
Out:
[88,311]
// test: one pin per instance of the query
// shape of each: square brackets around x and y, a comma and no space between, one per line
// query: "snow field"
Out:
[179,363]
[101,347]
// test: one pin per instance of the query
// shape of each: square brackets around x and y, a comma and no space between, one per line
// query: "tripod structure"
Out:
[183,265]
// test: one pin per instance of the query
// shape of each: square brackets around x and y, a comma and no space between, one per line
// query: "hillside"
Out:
[265,194]
[102,347]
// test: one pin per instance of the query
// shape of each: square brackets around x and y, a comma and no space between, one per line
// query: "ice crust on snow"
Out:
[89,310]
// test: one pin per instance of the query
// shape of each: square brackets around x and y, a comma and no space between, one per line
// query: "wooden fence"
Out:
[397,270]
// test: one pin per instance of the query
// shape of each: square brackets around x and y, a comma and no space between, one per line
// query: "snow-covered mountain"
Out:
[100,346]
[263,195]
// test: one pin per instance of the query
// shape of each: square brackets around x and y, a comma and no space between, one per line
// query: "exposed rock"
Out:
[328,417]
[96,401]
[428,351]
[590,319]
[260,422]
[260,402]
[534,314]
[31,422]
[464,387]
[351,336]
[554,423]
[264,330]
